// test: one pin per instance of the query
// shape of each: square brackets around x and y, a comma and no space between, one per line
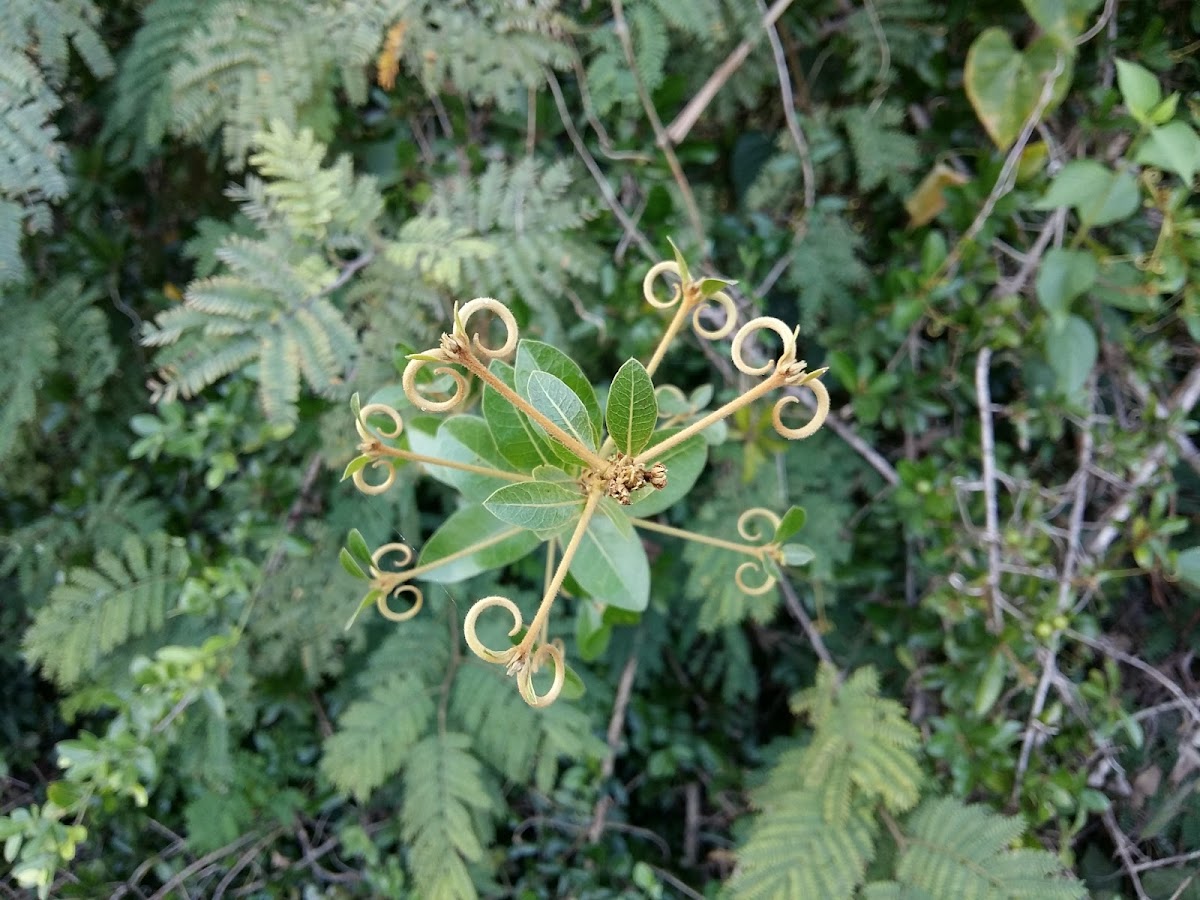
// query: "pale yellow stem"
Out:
[747,549]
[588,455]
[397,453]
[543,611]
[669,335]
[394,578]
[768,384]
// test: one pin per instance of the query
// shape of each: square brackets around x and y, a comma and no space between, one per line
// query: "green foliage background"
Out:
[220,219]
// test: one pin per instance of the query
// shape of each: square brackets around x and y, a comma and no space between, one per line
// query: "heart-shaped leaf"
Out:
[1004,84]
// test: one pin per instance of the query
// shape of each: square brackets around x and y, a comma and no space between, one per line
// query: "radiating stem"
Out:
[747,549]
[543,611]
[412,574]
[768,384]
[588,455]
[397,453]
[660,351]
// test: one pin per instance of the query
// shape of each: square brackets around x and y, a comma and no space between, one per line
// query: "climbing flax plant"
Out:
[542,464]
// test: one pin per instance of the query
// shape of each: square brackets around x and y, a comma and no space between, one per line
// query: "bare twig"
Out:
[660,135]
[1033,256]
[789,108]
[987,448]
[616,724]
[1008,173]
[1123,844]
[678,130]
[796,608]
[674,882]
[1110,7]
[1108,649]
[1184,399]
[203,862]
[606,191]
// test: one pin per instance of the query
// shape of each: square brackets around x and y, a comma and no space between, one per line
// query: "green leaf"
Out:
[684,274]
[1099,195]
[503,544]
[534,356]
[797,554]
[632,408]
[573,687]
[990,685]
[710,286]
[540,506]
[1139,89]
[684,464]
[1174,147]
[1071,352]
[557,402]
[671,401]
[356,406]
[350,565]
[1063,276]
[355,465]
[467,439]
[1187,566]
[517,439]
[791,522]
[358,548]
[1064,20]
[64,794]
[1004,85]
[365,603]
[612,568]
[592,632]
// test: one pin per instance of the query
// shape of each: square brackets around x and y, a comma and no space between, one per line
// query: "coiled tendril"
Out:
[752,532]
[787,370]
[689,293]
[395,583]
[458,348]
[520,660]
[372,445]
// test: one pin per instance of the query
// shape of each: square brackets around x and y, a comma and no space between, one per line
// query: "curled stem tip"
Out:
[750,531]
[722,331]
[492,305]
[763,323]
[392,584]
[409,382]
[818,417]
[663,269]
[523,660]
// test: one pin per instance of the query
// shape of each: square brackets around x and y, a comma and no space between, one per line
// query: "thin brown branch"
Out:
[1123,845]
[616,725]
[796,608]
[789,109]
[660,135]
[687,118]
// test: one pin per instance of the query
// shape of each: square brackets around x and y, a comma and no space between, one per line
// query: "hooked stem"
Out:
[543,611]
[758,552]
[408,455]
[768,384]
[391,579]
[589,456]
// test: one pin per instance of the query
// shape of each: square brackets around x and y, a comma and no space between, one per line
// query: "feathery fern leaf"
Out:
[375,734]
[97,609]
[271,307]
[36,37]
[446,803]
[238,70]
[143,104]
[862,747]
[29,347]
[882,151]
[793,853]
[490,50]
[952,851]
[531,214]
[512,737]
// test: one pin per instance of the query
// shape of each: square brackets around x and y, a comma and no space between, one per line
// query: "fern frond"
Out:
[375,733]
[882,151]
[313,199]
[492,51]
[143,103]
[959,852]
[529,213]
[793,853]
[269,309]
[238,70]
[862,748]
[446,806]
[97,609]
[437,249]
[29,347]
[513,738]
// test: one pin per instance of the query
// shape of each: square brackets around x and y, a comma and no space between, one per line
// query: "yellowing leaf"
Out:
[927,200]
